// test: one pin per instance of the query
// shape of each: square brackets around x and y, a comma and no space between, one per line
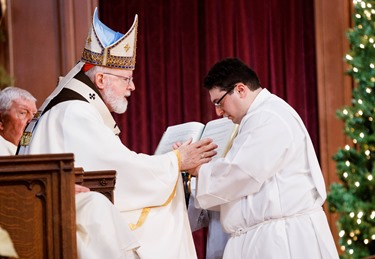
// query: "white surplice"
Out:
[269,187]
[142,181]
[7,148]
[199,218]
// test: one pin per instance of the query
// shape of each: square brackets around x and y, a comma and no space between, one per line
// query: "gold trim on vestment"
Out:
[146,211]
[178,155]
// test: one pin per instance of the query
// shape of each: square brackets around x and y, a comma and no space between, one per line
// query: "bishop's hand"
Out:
[195,154]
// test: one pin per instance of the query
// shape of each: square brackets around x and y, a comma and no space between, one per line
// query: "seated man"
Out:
[17,108]
[101,231]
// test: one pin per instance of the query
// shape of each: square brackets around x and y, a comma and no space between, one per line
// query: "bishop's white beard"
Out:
[117,104]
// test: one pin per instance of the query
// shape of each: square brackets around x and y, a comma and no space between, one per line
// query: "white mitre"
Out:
[105,47]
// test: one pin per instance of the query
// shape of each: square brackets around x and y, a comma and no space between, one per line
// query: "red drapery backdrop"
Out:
[179,40]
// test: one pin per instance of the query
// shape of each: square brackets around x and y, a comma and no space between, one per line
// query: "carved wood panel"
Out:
[37,205]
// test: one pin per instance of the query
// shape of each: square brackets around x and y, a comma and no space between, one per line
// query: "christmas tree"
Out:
[353,199]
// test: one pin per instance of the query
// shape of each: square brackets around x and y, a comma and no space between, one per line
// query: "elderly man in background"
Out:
[77,118]
[17,108]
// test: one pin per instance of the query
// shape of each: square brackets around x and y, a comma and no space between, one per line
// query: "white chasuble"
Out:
[142,181]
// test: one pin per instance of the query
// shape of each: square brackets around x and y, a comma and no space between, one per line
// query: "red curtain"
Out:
[179,40]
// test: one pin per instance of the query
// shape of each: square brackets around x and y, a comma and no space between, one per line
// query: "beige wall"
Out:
[44,40]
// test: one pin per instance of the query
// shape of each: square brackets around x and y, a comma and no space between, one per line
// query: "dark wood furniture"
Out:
[37,205]
[102,181]
[37,202]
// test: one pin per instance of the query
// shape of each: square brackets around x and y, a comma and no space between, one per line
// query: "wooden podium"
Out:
[37,205]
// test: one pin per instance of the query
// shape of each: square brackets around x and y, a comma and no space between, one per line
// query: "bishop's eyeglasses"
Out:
[128,80]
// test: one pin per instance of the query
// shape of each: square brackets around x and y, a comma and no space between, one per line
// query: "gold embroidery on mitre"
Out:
[127,47]
[124,57]
[26,138]
[95,58]
[104,61]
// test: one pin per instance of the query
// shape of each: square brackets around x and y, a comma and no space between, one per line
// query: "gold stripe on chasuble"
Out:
[146,211]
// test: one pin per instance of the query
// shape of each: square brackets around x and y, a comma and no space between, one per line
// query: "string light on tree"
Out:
[352,197]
